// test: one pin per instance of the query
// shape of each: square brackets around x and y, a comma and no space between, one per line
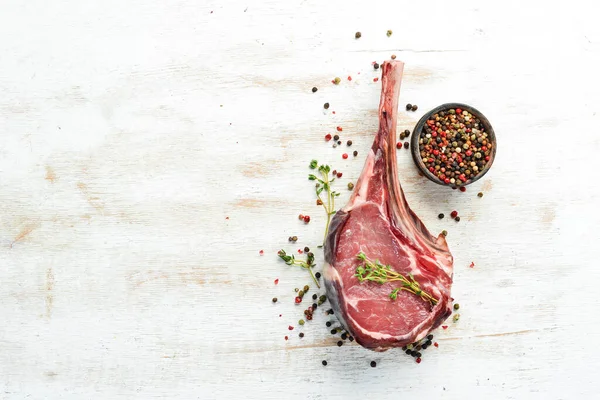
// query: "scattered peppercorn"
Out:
[314,89]
[344,336]
[339,128]
[373,364]
[314,296]
[355,153]
[324,362]
[453,214]
[456,317]
[306,219]
[326,106]
[376,66]
[389,33]
[414,107]
[274,299]
[408,107]
[322,297]
[456,306]
[328,324]
[429,337]
[301,334]
[337,81]
[457,219]
[480,194]
[406,133]
[328,137]
[406,145]
[345,156]
[408,351]
[349,143]
[340,343]
[393,56]
[339,174]
[301,322]
[318,275]
[336,137]
[301,293]
[294,238]
[357,35]
[298,300]
[375,79]
[445,232]
[339,142]
[330,311]
[333,331]
[440,215]
[314,306]
[418,360]
[462,189]
[350,338]
[399,145]
[350,185]
[402,136]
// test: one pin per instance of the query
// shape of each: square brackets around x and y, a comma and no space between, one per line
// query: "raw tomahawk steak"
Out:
[378,222]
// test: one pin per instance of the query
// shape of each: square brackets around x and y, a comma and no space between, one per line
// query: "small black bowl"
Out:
[416,154]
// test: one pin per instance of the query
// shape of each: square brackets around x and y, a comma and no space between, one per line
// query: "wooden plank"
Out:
[148,151]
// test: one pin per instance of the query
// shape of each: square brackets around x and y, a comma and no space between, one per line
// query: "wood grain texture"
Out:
[149,150]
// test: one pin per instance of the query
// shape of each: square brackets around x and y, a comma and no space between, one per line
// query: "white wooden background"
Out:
[130,130]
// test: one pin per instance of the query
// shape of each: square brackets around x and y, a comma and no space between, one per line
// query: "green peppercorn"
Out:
[314,89]
[301,322]
[350,185]
[301,293]
[322,297]
[357,35]
[402,136]
[440,215]
[296,290]
[337,80]
[306,287]
[314,296]
[445,232]
[456,306]
[389,33]
[480,194]
[326,106]
[456,317]
[313,164]
[274,299]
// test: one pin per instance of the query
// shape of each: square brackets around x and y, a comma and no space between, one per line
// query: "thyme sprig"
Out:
[324,184]
[379,273]
[308,264]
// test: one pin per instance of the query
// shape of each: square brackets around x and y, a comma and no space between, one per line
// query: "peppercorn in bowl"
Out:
[453,145]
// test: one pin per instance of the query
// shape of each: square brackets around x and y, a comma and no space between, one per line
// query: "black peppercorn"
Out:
[414,107]
[457,219]
[408,107]
[333,331]
[340,343]
[373,364]
[318,275]
[480,194]
[350,338]
[328,324]
[336,137]
[301,334]
[357,35]
[355,153]
[349,143]
[406,145]
[376,66]
[274,299]
[344,336]
[324,362]
[314,89]
[440,215]
[326,106]
[406,133]
[429,337]
[408,351]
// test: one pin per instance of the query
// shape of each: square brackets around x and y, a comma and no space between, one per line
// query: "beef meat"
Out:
[378,221]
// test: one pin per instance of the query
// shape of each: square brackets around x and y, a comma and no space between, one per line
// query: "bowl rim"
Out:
[417,133]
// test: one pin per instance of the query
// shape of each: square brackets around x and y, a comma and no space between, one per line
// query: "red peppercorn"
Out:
[436,152]
[434,134]
[262,252]
[339,128]
[339,174]
[458,111]
[446,181]
[349,78]
[487,158]
[431,169]
[399,145]
[328,137]
[463,189]
[444,327]
[375,79]
[436,344]
[309,317]
[471,265]
[454,213]
[291,328]
[298,300]
[276,281]
[469,153]
[300,216]
[334,172]
[286,338]
[483,148]
[418,360]
[299,251]
[306,219]
[344,156]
